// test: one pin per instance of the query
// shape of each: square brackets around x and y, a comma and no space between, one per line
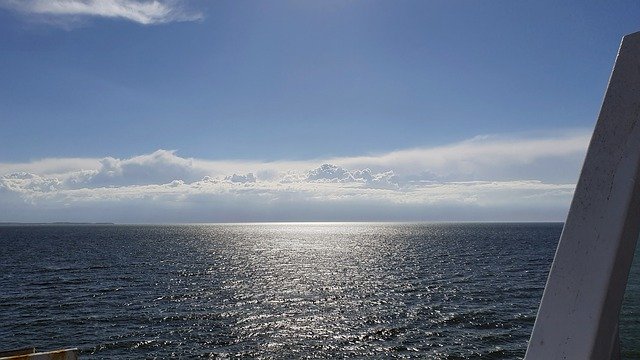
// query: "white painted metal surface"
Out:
[578,315]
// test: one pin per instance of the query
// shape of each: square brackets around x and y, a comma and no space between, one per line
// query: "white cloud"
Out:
[145,12]
[161,166]
[328,172]
[486,157]
[248,178]
[335,174]
[485,178]
[26,183]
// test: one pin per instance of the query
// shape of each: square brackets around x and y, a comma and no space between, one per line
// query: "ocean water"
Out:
[364,290]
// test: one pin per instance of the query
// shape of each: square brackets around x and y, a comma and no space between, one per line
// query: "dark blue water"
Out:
[440,291]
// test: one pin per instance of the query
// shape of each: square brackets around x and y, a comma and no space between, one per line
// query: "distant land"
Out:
[54,223]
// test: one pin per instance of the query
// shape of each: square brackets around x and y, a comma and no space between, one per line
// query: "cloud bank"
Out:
[146,12]
[484,178]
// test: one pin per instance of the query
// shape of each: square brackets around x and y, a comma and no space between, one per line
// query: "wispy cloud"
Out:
[145,12]
[483,178]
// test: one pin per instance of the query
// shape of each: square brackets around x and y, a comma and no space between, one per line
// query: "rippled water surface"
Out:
[441,291]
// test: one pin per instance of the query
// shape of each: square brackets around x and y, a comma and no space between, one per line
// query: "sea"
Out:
[282,291]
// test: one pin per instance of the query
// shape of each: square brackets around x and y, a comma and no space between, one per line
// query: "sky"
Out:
[173,111]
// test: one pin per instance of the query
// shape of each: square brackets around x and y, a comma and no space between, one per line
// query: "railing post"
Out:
[578,315]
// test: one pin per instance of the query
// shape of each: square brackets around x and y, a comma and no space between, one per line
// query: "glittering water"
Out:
[441,291]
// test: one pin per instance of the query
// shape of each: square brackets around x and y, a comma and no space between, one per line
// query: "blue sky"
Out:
[241,86]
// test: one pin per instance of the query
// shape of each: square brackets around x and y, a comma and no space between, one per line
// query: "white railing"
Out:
[578,315]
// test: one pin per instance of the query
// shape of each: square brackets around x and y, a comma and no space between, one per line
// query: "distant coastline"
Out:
[53,223]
